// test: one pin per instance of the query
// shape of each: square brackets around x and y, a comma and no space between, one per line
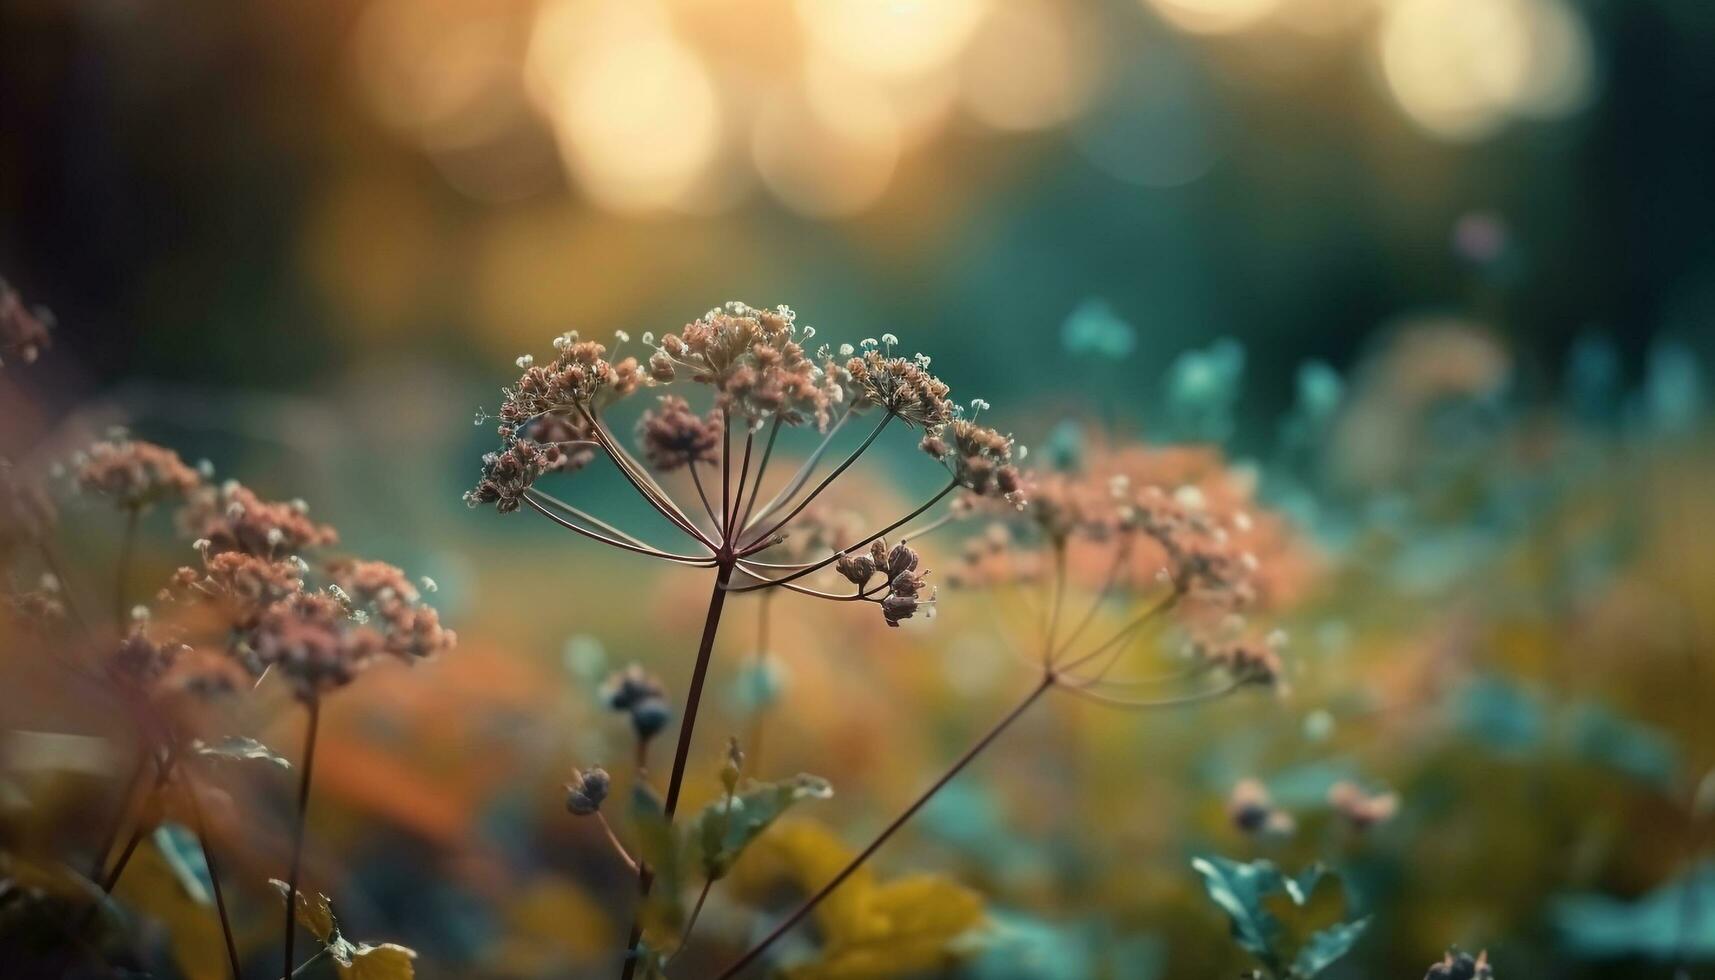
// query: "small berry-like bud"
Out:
[587,790]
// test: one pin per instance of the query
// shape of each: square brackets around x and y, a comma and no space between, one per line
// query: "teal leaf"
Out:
[183,853]
[1300,887]
[1326,946]
[1662,924]
[658,846]
[1239,889]
[727,826]
[239,747]
[1601,736]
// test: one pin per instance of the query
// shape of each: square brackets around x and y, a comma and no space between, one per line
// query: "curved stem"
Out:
[693,699]
[726,476]
[530,498]
[731,524]
[1148,614]
[1198,698]
[643,483]
[593,520]
[315,711]
[213,873]
[827,481]
[1052,630]
[761,470]
[798,478]
[804,908]
[824,563]
[1120,556]
[618,848]
[703,495]
[112,836]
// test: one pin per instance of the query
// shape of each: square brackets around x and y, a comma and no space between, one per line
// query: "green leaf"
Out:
[240,748]
[1239,890]
[1326,946]
[1301,887]
[727,826]
[658,846]
[183,853]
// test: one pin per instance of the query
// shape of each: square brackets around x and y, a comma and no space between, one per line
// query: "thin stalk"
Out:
[828,480]
[696,910]
[315,710]
[726,476]
[798,478]
[321,954]
[530,498]
[1108,581]
[122,567]
[619,848]
[213,873]
[112,836]
[738,495]
[112,879]
[650,490]
[756,487]
[1052,632]
[1199,698]
[821,894]
[681,756]
[1126,630]
[594,521]
[703,495]
[824,563]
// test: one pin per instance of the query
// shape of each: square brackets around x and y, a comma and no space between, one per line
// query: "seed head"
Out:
[232,518]
[1252,810]
[673,436]
[587,790]
[136,474]
[901,387]
[641,696]
[1359,809]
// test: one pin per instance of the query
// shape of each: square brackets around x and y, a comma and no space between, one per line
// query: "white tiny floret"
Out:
[809,332]
[525,360]
[139,614]
[889,339]
[276,537]
[1278,639]
[205,468]
[234,511]
[1021,451]
[300,505]
[339,594]
[429,584]
[649,338]
[50,582]
[1189,497]
[622,336]
[1249,562]
[867,343]
[847,350]
[1242,521]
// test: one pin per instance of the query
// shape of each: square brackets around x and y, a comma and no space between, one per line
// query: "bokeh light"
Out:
[1215,16]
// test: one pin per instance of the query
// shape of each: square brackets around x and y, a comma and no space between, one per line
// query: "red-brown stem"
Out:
[99,869]
[693,699]
[824,563]
[112,879]
[827,481]
[731,525]
[964,760]
[315,711]
[213,873]
[761,470]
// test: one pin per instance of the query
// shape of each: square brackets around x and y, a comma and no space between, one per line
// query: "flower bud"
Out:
[587,790]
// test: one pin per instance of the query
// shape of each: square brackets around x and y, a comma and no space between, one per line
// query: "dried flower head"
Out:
[755,361]
[136,474]
[902,387]
[315,642]
[140,661]
[1456,965]
[579,380]
[1247,660]
[410,630]
[587,790]
[231,517]
[24,332]
[1252,810]
[508,473]
[1359,809]
[979,457]
[673,436]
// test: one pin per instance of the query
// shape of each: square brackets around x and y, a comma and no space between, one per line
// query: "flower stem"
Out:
[693,699]
[816,899]
[314,708]
[213,874]
[112,836]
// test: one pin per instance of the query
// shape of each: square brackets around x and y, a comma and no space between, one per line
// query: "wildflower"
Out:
[507,474]
[755,361]
[1252,810]
[410,630]
[587,790]
[981,459]
[673,436]
[565,441]
[24,332]
[140,661]
[233,518]
[903,388]
[641,696]
[314,642]
[1455,965]
[904,582]
[136,474]
[1360,809]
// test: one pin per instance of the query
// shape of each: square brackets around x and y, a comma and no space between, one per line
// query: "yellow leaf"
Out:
[387,961]
[872,929]
[316,916]
[150,886]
